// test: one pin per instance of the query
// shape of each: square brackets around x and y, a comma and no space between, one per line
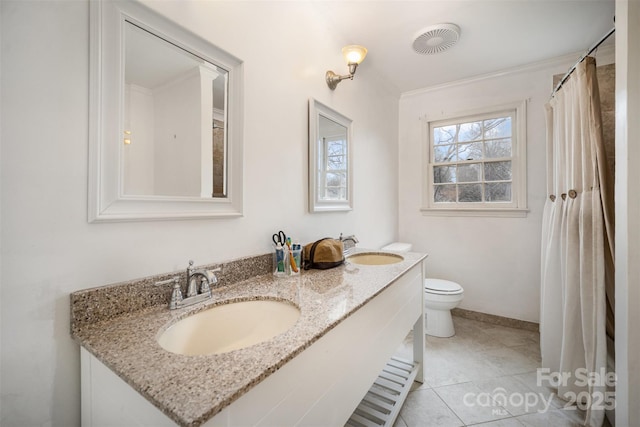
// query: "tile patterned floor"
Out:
[483,376]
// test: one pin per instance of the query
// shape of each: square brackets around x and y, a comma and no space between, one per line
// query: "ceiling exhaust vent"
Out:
[436,38]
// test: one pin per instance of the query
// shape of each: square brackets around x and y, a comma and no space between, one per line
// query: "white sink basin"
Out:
[374,258]
[229,327]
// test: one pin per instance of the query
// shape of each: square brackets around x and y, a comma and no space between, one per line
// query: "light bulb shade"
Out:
[354,54]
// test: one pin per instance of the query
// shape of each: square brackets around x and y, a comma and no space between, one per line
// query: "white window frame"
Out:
[518,205]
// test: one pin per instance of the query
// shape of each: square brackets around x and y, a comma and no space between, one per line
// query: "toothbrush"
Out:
[280,258]
[294,267]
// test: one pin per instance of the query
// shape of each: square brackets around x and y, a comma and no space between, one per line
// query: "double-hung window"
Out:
[332,175]
[476,163]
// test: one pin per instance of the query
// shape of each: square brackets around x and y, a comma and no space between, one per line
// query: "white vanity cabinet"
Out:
[322,385]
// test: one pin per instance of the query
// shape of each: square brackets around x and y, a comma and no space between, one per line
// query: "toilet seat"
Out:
[442,287]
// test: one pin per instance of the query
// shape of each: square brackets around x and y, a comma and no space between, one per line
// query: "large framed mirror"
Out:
[165,121]
[330,160]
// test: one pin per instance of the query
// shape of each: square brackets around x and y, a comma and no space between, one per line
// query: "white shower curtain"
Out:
[576,246]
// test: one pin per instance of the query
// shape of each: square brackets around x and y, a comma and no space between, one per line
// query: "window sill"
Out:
[484,212]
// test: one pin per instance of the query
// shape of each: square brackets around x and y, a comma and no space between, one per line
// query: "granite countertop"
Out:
[192,389]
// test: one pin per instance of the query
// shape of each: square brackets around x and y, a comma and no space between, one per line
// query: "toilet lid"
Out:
[442,286]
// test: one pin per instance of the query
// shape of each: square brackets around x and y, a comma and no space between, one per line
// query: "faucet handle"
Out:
[176,295]
[204,285]
[173,280]
[213,279]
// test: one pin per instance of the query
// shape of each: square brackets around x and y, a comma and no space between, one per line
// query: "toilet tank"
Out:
[398,247]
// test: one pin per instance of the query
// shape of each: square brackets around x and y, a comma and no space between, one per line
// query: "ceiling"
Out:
[496,35]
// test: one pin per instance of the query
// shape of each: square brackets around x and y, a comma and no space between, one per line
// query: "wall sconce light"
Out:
[353,55]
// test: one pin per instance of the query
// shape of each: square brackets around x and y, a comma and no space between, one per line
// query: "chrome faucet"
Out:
[199,284]
[207,278]
[351,240]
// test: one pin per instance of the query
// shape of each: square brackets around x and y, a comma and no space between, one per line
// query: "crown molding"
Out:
[607,52]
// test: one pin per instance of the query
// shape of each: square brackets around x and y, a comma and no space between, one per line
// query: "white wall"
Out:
[178,136]
[496,260]
[138,170]
[627,212]
[49,249]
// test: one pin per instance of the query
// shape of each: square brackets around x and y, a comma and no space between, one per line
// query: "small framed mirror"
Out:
[165,122]
[330,160]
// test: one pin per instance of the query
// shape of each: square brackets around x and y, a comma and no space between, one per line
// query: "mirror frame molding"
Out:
[106,199]
[317,109]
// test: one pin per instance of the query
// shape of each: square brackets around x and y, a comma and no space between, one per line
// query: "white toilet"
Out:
[440,296]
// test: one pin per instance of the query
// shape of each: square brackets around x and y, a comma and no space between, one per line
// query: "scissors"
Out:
[280,238]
